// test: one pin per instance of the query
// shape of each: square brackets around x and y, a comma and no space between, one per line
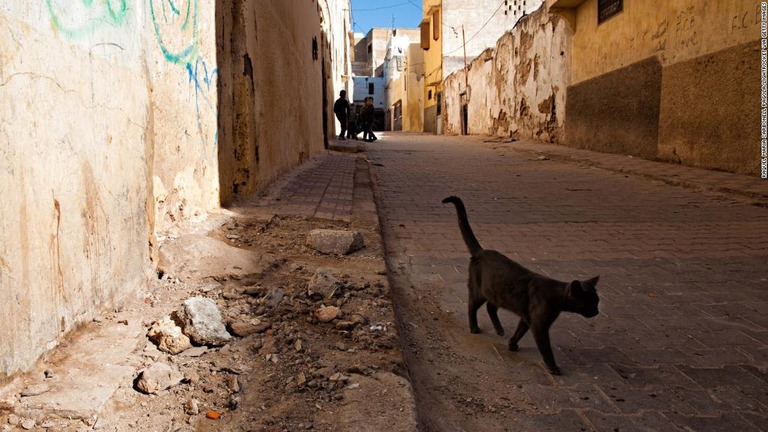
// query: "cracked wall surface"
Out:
[107,137]
[517,88]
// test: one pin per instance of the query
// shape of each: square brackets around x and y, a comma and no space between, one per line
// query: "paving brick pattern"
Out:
[682,339]
[322,188]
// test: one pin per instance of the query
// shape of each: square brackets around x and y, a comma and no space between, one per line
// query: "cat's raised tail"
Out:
[466,231]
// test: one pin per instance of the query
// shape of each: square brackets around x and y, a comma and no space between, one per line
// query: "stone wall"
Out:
[517,88]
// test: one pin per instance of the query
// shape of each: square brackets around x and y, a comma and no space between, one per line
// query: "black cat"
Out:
[537,299]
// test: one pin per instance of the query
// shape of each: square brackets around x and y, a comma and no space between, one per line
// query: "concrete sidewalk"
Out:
[673,174]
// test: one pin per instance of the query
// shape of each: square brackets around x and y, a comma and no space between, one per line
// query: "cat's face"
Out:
[583,297]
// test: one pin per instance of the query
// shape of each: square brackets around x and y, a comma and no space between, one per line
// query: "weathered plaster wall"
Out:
[483,22]
[517,88]
[675,30]
[183,131]
[703,88]
[272,86]
[74,148]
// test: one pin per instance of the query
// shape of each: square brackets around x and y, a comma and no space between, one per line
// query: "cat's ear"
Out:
[574,288]
[591,283]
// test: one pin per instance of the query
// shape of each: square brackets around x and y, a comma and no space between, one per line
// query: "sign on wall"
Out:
[608,8]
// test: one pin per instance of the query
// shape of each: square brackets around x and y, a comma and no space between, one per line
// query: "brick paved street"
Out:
[682,339]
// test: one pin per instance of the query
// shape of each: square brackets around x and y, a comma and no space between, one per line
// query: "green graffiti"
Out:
[76,19]
[176,29]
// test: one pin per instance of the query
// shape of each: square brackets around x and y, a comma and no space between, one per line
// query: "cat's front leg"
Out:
[541,335]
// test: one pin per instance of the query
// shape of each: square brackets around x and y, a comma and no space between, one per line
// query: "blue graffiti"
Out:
[202,79]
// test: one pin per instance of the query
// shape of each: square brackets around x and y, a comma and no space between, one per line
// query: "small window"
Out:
[429,95]
[424,35]
[370,88]
[436,25]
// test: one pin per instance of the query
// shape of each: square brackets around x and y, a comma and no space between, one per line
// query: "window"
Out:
[429,95]
[370,88]
[370,48]
[608,8]
[436,25]
[424,35]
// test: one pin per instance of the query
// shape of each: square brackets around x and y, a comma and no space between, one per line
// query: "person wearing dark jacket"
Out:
[341,109]
[367,117]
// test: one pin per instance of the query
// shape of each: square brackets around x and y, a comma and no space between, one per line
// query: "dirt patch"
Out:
[286,371]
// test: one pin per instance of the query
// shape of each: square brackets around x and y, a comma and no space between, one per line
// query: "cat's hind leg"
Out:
[474,304]
[493,313]
[522,328]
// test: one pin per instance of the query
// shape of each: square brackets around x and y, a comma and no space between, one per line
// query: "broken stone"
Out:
[28,424]
[274,297]
[13,419]
[345,325]
[168,336]
[233,384]
[202,322]
[335,242]
[327,313]
[195,351]
[192,407]
[322,285]
[242,329]
[35,390]
[158,377]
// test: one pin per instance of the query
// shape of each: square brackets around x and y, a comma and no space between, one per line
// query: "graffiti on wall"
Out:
[177,31]
[176,28]
[77,18]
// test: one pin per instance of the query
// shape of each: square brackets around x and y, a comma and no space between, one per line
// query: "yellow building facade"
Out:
[431,43]
[676,80]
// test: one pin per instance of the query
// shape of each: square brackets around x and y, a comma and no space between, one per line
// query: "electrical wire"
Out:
[384,7]
[478,31]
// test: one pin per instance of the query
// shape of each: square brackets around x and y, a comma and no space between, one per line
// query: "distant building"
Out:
[450,25]
[404,75]
[368,68]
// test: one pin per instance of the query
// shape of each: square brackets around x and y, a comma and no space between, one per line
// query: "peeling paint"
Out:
[519,93]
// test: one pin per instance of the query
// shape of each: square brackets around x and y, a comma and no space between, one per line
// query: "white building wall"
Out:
[517,89]
[484,22]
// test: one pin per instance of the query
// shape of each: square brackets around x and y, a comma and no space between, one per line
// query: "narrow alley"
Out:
[227,215]
[682,339]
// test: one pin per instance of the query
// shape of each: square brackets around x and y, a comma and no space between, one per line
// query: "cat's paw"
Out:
[554,370]
[500,331]
[513,346]
[475,330]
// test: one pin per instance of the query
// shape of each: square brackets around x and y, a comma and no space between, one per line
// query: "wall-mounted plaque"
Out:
[608,8]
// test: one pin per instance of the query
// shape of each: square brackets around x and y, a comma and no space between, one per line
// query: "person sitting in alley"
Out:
[341,109]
